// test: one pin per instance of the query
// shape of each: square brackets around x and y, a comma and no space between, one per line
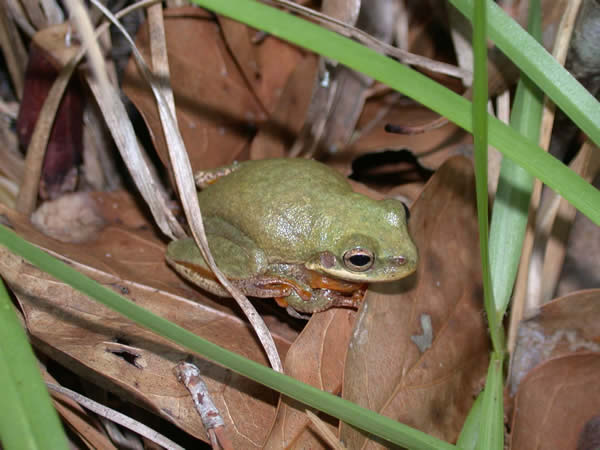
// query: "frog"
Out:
[293,229]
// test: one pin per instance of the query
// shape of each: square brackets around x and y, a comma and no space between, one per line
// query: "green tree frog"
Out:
[294,230]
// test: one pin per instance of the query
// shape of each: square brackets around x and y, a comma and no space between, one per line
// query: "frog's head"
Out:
[372,248]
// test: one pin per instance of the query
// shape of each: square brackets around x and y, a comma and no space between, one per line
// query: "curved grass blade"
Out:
[571,186]
[480,139]
[469,434]
[349,412]
[491,425]
[28,419]
[539,65]
[511,207]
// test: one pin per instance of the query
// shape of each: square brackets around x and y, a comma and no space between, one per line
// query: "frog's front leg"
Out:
[325,292]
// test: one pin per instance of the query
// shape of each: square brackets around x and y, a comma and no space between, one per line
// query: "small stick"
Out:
[189,374]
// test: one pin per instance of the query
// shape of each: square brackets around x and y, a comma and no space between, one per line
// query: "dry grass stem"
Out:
[523,288]
[53,12]
[121,128]
[18,15]
[373,43]
[586,164]
[35,13]
[28,192]
[13,50]
[26,199]
[116,417]
[187,193]
[324,431]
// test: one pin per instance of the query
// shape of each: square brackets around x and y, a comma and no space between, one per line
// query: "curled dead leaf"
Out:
[555,401]
[419,349]
[562,326]
[100,345]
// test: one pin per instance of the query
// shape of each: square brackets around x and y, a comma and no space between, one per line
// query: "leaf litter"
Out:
[241,99]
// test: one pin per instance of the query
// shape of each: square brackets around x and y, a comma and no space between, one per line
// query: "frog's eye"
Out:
[358,259]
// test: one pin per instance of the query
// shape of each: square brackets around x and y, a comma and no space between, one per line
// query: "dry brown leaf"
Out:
[555,401]
[276,136]
[432,149]
[562,326]
[62,153]
[316,358]
[524,298]
[71,218]
[215,110]
[101,345]
[266,65]
[237,38]
[419,349]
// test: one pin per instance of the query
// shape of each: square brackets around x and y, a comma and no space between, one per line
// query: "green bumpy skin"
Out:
[268,214]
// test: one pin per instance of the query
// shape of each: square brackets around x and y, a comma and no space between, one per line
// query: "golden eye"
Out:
[358,259]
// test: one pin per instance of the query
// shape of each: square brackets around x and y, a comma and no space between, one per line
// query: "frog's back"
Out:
[286,173]
[276,202]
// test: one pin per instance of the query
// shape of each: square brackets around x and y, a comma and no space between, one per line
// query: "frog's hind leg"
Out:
[184,256]
[241,265]
[204,178]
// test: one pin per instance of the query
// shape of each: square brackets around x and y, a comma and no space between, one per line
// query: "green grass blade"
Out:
[539,65]
[480,138]
[509,218]
[28,419]
[407,81]
[349,412]
[491,426]
[469,434]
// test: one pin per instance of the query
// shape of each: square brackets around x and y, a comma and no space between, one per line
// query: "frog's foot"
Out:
[204,178]
[336,299]
[339,300]
[342,294]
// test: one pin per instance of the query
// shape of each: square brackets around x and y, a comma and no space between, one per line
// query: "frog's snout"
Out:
[403,265]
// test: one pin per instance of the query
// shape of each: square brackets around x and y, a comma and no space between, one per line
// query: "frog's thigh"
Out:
[238,262]
[204,178]
[192,266]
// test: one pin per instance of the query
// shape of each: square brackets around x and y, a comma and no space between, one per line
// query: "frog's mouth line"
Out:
[368,277]
[342,293]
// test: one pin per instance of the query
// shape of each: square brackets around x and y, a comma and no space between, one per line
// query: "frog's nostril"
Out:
[399,260]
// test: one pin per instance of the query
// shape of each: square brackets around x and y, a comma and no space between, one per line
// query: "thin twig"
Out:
[189,374]
[116,417]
